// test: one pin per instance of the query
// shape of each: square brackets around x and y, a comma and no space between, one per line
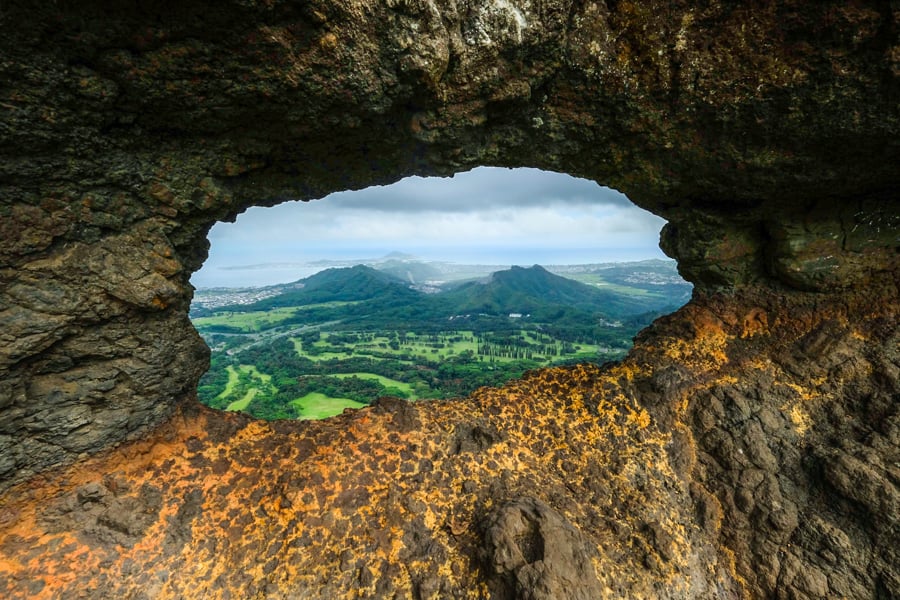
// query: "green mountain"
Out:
[536,291]
[353,284]
[370,299]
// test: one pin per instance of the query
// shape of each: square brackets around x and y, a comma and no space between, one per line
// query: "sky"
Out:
[485,216]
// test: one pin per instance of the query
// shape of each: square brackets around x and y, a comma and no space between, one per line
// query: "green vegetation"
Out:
[231,383]
[244,402]
[344,337]
[236,321]
[245,321]
[242,384]
[315,405]
[392,387]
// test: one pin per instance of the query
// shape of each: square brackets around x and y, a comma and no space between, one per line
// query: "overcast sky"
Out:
[484,216]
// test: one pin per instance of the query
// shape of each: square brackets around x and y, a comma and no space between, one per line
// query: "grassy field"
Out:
[256,321]
[417,347]
[250,387]
[248,321]
[244,402]
[437,364]
[298,346]
[385,381]
[253,372]
[248,382]
[597,280]
[420,347]
[246,379]
[320,406]
[233,378]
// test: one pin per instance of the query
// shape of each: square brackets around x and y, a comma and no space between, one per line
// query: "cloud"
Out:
[521,208]
[477,189]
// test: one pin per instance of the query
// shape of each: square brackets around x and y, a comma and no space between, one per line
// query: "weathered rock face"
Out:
[746,448]
[766,133]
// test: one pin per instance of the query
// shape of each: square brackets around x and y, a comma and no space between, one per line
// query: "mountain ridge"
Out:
[532,289]
[351,284]
[525,290]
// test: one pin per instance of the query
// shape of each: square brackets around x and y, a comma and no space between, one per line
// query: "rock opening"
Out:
[747,445]
[415,290]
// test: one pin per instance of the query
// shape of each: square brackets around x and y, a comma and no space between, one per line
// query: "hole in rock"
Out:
[424,289]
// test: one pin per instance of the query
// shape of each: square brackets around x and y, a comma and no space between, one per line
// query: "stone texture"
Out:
[710,463]
[765,132]
[574,497]
[537,555]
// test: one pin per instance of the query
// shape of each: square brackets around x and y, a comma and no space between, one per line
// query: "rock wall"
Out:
[751,443]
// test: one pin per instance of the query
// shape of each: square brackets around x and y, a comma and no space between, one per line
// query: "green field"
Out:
[597,280]
[244,402]
[245,381]
[261,320]
[318,374]
[418,347]
[233,378]
[247,321]
[319,406]
[387,382]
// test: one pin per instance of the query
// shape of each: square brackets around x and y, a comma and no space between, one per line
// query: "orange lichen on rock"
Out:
[653,476]
[755,322]
[392,497]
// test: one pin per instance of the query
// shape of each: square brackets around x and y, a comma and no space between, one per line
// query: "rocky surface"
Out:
[747,447]
[716,461]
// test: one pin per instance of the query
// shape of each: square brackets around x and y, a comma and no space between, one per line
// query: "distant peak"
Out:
[516,269]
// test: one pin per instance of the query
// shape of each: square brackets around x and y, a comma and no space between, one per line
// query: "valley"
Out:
[349,335]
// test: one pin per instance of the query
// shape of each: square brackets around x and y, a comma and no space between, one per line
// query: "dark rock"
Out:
[92,492]
[179,531]
[403,413]
[474,437]
[536,554]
